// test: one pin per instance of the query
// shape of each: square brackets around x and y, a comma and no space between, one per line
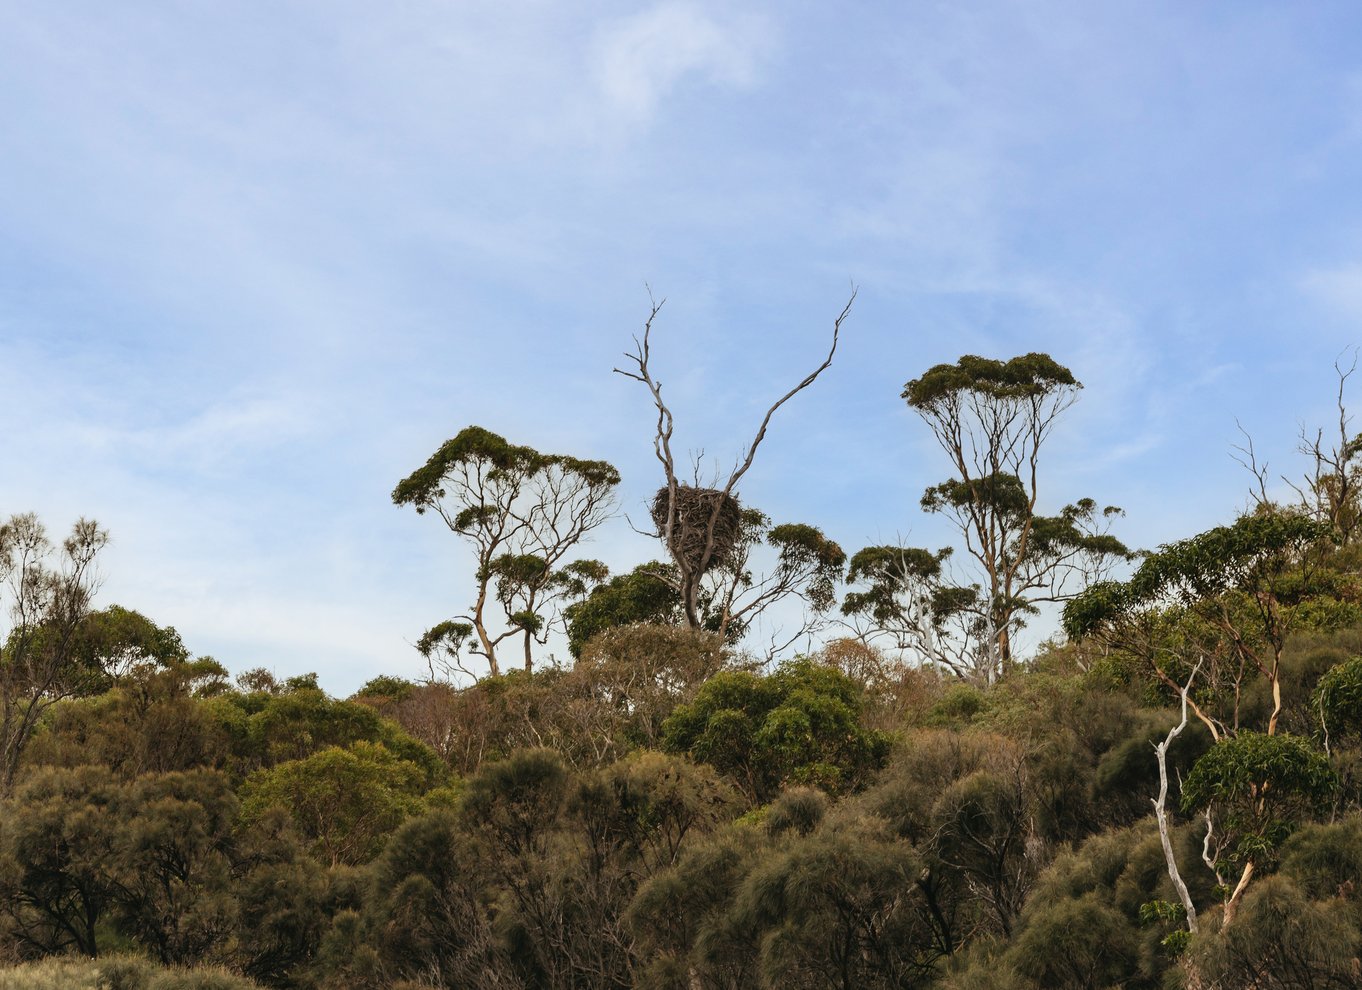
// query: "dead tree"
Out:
[699,526]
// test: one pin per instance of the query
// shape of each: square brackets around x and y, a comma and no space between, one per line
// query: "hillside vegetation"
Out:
[1167,793]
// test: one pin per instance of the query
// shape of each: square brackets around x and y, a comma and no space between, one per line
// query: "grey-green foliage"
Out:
[839,908]
[160,863]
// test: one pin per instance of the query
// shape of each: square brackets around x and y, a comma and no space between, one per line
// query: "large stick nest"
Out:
[691,526]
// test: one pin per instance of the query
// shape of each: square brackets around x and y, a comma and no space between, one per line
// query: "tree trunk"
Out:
[1232,905]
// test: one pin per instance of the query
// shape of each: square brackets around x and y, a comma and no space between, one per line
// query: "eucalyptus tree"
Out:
[762,564]
[47,591]
[522,512]
[992,419]
[1219,607]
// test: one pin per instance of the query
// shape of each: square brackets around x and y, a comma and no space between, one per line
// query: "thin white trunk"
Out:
[1161,811]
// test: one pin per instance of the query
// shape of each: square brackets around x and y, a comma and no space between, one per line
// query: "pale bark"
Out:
[1160,809]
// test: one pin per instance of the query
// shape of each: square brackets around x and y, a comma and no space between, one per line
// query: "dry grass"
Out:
[116,973]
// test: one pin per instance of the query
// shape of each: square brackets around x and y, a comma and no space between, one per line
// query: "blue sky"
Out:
[258,260]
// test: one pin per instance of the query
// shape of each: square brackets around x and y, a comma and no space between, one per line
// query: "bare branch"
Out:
[808,380]
[1247,458]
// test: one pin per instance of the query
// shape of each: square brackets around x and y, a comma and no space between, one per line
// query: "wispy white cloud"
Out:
[641,58]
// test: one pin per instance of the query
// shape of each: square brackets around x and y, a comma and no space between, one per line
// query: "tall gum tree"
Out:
[992,419]
[522,512]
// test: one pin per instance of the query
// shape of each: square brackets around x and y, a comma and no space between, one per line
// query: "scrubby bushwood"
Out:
[345,801]
[838,908]
[640,673]
[59,837]
[799,725]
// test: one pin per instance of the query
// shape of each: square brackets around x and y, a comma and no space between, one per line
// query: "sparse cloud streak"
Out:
[257,263]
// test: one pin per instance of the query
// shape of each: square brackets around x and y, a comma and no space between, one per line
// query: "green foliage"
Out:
[1027,377]
[1338,700]
[1076,944]
[980,830]
[1001,491]
[804,550]
[154,720]
[174,856]
[522,511]
[991,418]
[345,801]
[683,919]
[284,902]
[386,687]
[959,703]
[798,810]
[1243,555]
[480,448]
[1255,552]
[58,847]
[116,640]
[839,909]
[1263,786]
[514,801]
[427,911]
[899,582]
[642,595]
[1325,860]
[448,636]
[799,725]
[1283,936]
[296,724]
